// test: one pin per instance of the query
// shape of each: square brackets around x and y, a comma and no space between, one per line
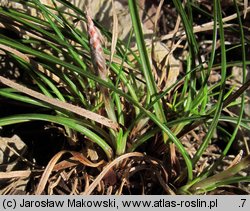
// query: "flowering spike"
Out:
[97,54]
[99,63]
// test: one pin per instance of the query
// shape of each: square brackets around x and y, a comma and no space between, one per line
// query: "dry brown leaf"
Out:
[204,27]
[11,151]
[86,177]
[98,179]
[53,185]
[67,106]
[236,160]
[245,8]
[110,178]
[169,66]
[157,15]
[15,174]
[34,64]
[52,163]
[47,172]
[82,159]
[65,164]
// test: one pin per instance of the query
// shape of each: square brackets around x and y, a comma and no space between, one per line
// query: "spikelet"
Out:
[97,54]
[99,63]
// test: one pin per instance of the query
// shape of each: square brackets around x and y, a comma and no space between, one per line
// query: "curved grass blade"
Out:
[71,123]
[211,182]
[219,105]
[242,103]
[146,68]
[69,107]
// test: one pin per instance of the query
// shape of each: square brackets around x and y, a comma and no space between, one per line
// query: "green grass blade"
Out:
[220,177]
[73,124]
[146,68]
[219,104]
